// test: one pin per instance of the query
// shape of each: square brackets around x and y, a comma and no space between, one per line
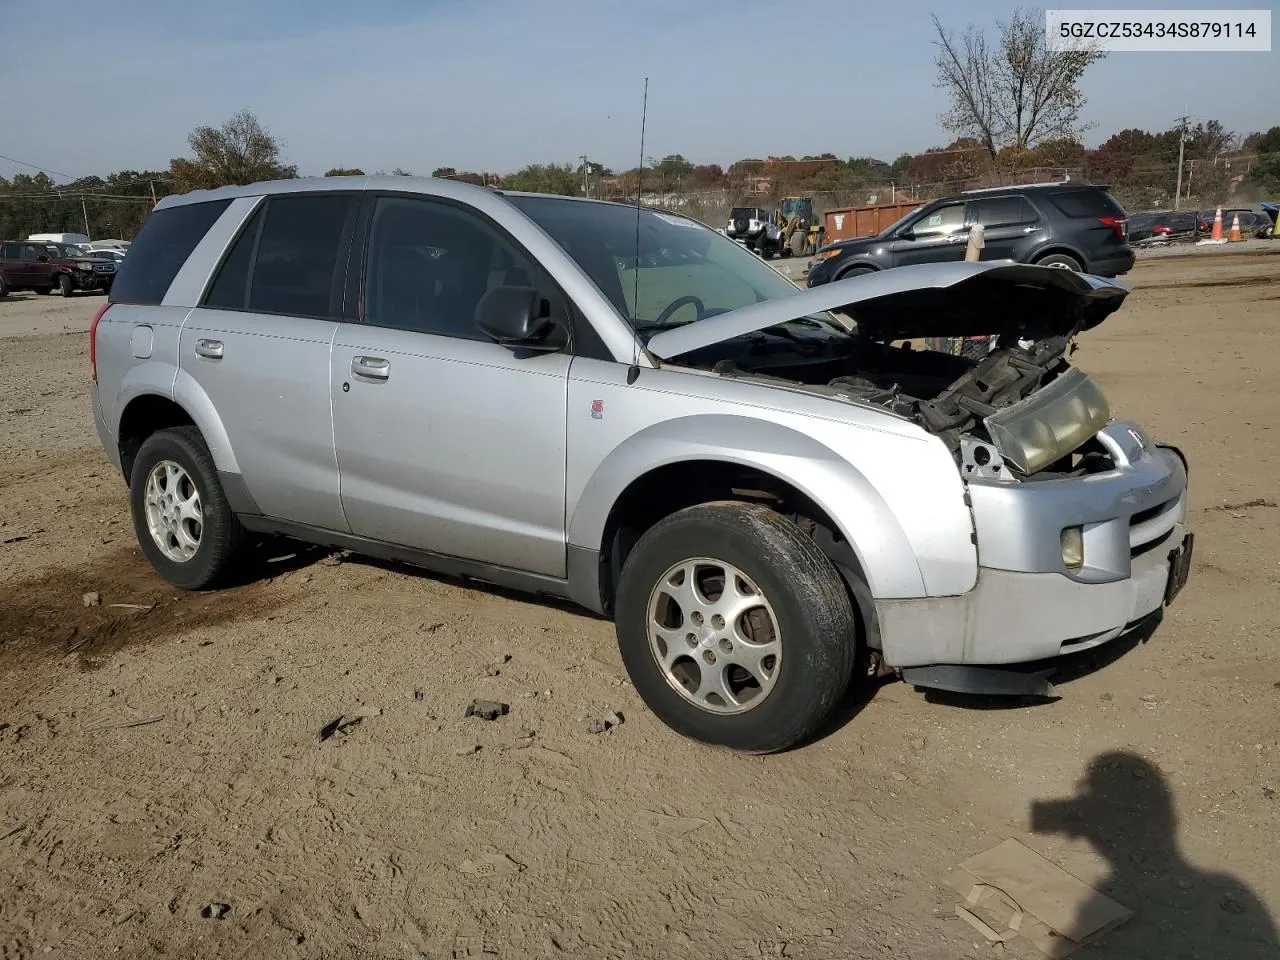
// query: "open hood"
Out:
[957,299]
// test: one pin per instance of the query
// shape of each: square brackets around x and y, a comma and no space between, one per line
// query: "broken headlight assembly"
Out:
[1051,423]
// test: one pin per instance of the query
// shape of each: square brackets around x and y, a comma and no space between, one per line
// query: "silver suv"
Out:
[624,408]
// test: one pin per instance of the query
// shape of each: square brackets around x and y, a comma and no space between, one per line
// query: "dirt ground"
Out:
[164,790]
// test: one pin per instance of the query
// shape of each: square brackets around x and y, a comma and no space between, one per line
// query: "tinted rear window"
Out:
[162,247]
[1086,203]
[1002,211]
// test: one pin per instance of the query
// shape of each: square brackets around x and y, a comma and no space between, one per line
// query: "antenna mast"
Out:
[634,371]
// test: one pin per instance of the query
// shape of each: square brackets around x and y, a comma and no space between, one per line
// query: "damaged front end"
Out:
[1022,411]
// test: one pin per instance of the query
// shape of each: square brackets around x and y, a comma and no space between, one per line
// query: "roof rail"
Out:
[1023,186]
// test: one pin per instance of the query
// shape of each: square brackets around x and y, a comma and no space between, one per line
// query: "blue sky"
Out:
[494,84]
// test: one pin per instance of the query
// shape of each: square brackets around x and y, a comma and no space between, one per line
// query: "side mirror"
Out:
[907,233]
[514,316]
[43,258]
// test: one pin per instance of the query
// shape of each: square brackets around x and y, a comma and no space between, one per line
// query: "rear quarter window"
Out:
[162,247]
[1086,203]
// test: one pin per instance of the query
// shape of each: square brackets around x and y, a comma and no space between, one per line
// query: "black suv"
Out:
[1072,225]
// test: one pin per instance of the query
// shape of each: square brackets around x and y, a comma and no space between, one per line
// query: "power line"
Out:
[23,163]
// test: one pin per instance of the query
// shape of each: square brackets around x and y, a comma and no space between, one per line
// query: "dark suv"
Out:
[1076,226]
[45,266]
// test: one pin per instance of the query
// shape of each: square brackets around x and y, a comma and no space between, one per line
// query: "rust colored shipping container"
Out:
[846,223]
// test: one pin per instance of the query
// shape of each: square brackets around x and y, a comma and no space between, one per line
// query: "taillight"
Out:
[93,340]
[1116,224]
[1161,229]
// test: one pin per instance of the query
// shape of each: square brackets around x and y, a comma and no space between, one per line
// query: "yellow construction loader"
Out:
[801,229]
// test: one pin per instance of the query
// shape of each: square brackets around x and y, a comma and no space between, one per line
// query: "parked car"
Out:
[76,271]
[45,266]
[1072,225]
[754,228]
[94,246]
[59,237]
[1161,226]
[536,392]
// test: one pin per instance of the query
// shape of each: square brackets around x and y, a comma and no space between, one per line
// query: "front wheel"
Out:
[66,286]
[735,628]
[180,514]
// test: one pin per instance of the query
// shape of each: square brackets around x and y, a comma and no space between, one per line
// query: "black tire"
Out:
[1060,260]
[4,288]
[66,286]
[815,621]
[221,534]
[855,272]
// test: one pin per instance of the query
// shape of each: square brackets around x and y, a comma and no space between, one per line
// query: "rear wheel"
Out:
[1061,261]
[180,514]
[65,285]
[735,628]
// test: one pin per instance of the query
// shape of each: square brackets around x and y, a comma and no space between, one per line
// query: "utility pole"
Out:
[85,210]
[154,201]
[1182,142]
[586,186]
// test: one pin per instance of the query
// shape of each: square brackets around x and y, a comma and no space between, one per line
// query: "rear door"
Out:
[12,265]
[448,442]
[258,346]
[939,234]
[1010,226]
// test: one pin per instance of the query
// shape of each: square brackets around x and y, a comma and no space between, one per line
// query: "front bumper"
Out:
[1027,605]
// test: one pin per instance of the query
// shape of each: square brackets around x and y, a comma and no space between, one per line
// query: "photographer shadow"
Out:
[1125,809]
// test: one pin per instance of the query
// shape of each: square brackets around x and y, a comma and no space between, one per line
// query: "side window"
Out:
[297,269]
[940,222]
[430,263]
[230,290]
[1003,212]
[30,252]
[162,247]
[8,251]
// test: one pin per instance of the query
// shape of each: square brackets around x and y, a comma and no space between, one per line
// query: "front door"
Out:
[939,234]
[258,347]
[446,441]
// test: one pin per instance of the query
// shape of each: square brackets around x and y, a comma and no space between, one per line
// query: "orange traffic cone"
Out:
[1215,236]
[1235,228]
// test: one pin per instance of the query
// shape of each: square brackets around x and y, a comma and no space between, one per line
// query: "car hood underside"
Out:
[960,299]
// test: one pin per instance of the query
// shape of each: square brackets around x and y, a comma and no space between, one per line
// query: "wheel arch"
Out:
[155,399]
[703,459]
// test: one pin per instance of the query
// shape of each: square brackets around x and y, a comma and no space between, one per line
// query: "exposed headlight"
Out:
[1050,423]
[1073,548]
[84,266]
[827,254]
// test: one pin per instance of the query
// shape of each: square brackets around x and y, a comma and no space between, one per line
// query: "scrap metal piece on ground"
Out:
[1010,890]
[487,709]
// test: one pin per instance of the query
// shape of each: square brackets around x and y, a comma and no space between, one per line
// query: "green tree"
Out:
[558,178]
[240,151]
[1265,170]
[344,172]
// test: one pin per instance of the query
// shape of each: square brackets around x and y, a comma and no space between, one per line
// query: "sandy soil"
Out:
[160,753]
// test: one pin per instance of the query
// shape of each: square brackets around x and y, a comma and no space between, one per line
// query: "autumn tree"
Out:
[240,151]
[1015,92]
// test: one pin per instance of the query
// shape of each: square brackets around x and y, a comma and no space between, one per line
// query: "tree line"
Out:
[1014,112]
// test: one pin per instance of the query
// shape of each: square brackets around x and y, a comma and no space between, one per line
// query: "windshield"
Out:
[64,249]
[686,271]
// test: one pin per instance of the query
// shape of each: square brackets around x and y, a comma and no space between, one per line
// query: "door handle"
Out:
[209,349]
[371,368]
